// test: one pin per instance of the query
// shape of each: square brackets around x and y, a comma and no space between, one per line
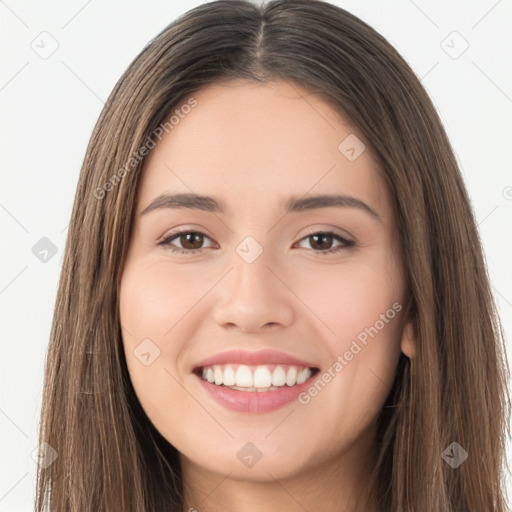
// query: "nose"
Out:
[254,296]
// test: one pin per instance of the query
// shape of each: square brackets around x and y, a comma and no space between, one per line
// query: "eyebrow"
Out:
[294,204]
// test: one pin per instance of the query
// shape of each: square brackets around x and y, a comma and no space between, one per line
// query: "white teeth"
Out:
[229,376]
[291,376]
[259,390]
[278,376]
[258,378]
[262,377]
[243,377]
[304,375]
[217,372]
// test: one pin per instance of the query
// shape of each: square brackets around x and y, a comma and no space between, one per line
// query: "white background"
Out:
[49,107]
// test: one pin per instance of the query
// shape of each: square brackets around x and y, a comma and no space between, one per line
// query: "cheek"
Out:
[150,305]
[351,298]
[359,307]
[153,299]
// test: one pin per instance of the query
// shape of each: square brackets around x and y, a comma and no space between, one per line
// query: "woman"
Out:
[273,295]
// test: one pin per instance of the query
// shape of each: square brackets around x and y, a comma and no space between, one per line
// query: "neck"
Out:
[340,484]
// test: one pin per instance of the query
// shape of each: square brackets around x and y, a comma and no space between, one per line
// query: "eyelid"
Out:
[309,231]
[187,229]
[332,230]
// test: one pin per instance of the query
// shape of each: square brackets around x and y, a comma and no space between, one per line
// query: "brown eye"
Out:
[322,242]
[192,242]
[189,241]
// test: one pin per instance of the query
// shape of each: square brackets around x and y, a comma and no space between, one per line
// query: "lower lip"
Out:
[254,401]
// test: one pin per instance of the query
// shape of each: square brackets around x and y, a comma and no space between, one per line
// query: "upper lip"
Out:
[261,357]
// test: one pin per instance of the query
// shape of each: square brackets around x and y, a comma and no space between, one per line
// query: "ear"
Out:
[408,340]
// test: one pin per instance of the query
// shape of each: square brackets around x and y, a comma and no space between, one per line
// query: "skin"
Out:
[253,146]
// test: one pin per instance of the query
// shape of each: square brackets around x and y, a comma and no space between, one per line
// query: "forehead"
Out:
[258,144]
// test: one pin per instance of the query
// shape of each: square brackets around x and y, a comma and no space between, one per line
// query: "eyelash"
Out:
[166,242]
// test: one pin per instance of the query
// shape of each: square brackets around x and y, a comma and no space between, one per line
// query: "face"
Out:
[247,271]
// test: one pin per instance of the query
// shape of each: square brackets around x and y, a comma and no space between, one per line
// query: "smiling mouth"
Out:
[255,378]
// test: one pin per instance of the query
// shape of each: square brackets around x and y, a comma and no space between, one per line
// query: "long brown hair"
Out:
[110,456]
